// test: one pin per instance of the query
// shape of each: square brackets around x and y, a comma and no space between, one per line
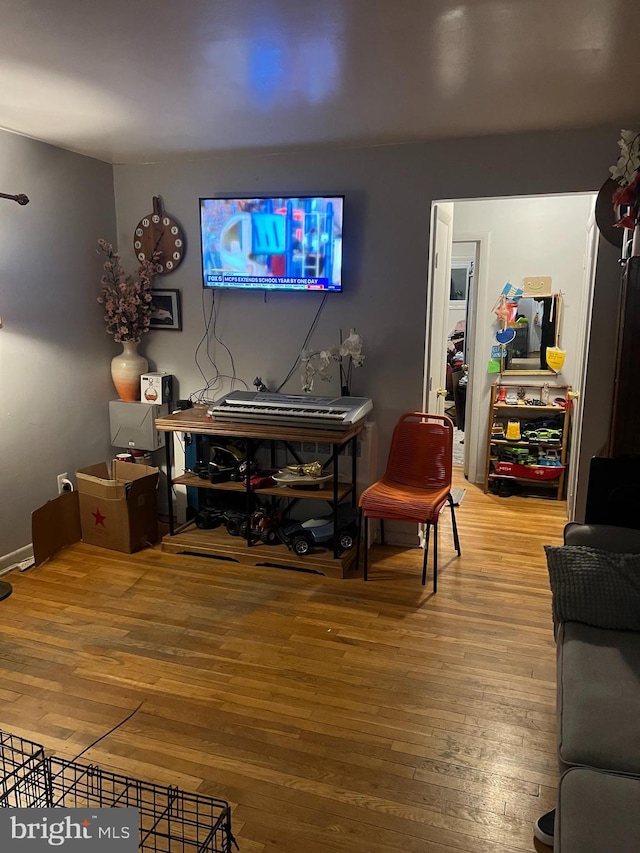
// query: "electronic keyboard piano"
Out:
[291,409]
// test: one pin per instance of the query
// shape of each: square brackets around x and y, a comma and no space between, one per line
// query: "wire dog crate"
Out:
[171,820]
[22,771]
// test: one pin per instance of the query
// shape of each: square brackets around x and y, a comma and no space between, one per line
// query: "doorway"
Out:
[464,261]
[488,244]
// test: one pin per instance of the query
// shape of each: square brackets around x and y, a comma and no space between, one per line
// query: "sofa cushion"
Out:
[596,587]
[597,813]
[622,540]
[598,697]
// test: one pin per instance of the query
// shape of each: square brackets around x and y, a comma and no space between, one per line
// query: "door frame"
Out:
[435,355]
[476,418]
[586,316]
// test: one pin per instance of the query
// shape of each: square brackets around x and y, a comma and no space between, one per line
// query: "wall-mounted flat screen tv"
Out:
[272,243]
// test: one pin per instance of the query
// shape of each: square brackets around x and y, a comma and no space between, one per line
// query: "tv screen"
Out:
[274,243]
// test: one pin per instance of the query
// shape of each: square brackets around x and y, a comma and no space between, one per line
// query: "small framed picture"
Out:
[165,310]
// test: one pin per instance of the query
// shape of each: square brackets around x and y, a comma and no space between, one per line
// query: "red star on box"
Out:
[86,822]
[99,517]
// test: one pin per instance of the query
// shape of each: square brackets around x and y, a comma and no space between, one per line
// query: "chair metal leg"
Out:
[435,556]
[426,552]
[366,549]
[359,538]
[382,542]
[456,538]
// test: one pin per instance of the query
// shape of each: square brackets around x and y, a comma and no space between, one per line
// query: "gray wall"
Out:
[389,190]
[54,352]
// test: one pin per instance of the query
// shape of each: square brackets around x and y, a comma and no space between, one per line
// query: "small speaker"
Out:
[133,425]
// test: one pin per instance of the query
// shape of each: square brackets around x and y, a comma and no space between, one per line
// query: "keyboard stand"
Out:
[218,543]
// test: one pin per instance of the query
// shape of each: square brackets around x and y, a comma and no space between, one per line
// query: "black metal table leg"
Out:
[249,459]
[354,470]
[336,550]
[168,444]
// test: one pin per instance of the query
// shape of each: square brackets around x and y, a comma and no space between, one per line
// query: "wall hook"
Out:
[21,199]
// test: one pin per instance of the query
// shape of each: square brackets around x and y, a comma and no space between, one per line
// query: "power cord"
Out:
[215,382]
[215,335]
[312,329]
[117,726]
[196,395]
[212,384]
[102,737]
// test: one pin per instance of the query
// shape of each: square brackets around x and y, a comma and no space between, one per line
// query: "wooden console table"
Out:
[217,542]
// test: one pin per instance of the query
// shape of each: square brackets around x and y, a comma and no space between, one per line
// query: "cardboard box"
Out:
[54,526]
[118,508]
[114,508]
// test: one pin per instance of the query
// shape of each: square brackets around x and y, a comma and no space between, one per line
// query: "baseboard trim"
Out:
[9,562]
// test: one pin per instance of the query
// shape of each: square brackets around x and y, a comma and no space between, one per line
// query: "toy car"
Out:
[209,518]
[529,472]
[264,523]
[302,536]
[236,523]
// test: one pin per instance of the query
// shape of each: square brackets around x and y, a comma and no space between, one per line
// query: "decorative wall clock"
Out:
[159,233]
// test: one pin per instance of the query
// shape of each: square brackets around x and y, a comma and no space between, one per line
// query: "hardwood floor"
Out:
[334,715]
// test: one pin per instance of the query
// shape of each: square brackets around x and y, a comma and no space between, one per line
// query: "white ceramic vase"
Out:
[126,370]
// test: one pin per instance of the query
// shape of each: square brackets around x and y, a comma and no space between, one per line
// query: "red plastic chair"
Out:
[416,484]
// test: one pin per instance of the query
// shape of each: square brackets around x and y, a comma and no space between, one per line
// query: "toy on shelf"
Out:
[301,481]
[302,536]
[262,525]
[303,475]
[513,430]
[529,472]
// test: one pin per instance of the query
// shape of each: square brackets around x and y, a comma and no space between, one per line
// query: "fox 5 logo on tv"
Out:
[69,830]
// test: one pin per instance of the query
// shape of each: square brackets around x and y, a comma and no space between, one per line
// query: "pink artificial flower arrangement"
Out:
[626,173]
[126,300]
[626,202]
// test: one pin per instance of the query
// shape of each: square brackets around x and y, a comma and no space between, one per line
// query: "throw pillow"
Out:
[594,587]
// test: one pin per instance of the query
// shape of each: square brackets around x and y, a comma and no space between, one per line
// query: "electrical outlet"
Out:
[61,482]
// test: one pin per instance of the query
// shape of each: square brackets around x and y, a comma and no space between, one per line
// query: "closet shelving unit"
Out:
[501,412]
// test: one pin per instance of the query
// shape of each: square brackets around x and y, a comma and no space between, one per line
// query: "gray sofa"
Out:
[598,698]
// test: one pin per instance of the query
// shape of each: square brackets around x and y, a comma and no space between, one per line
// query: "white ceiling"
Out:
[142,80]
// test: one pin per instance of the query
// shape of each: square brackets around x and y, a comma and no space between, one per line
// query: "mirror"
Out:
[536,322]
[460,277]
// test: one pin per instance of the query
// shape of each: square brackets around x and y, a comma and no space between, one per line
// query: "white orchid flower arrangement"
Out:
[320,363]
[626,169]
